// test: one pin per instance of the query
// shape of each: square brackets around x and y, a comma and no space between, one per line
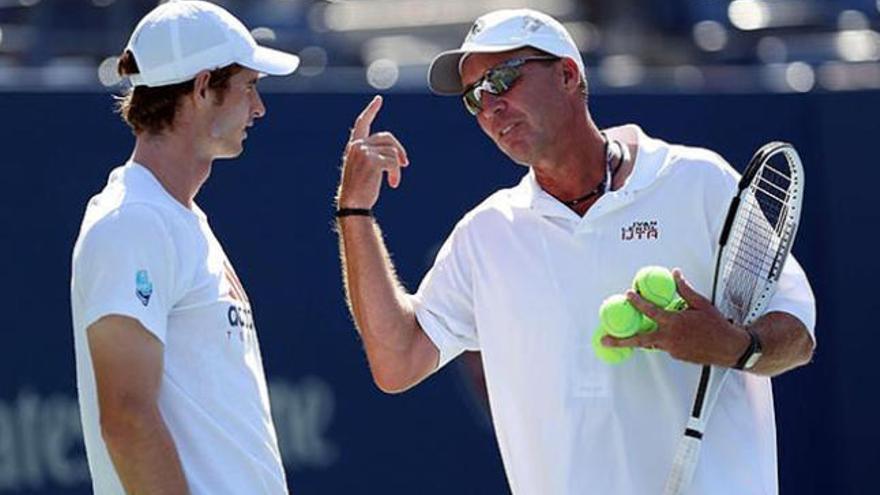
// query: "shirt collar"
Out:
[650,158]
[149,181]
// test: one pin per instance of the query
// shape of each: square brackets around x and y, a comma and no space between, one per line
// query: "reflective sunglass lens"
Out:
[471,103]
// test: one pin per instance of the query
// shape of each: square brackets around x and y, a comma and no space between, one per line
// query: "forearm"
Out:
[702,335]
[786,343]
[377,301]
[144,454]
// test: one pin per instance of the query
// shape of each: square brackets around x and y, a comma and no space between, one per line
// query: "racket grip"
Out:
[683,465]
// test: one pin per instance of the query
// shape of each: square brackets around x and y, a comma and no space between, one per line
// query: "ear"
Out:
[571,75]
[201,91]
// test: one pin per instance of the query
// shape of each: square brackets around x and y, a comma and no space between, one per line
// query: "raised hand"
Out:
[366,157]
[700,334]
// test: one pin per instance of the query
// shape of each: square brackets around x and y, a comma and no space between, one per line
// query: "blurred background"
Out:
[726,75]
[632,45]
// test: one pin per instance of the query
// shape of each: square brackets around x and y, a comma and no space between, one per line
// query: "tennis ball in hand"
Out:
[677,304]
[655,284]
[619,317]
[609,355]
[647,325]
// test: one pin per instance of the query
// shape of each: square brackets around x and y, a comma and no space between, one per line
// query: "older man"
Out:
[522,275]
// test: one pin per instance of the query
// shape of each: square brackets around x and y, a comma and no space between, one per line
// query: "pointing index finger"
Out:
[362,125]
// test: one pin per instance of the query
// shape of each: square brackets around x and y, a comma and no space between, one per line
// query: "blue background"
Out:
[272,210]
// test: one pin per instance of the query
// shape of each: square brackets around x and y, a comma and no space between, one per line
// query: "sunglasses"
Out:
[497,81]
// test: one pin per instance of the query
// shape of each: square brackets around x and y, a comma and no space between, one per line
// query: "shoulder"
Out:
[129,198]
[500,206]
[680,155]
[495,213]
[701,166]
[124,226]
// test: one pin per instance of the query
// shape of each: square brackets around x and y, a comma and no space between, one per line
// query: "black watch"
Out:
[752,354]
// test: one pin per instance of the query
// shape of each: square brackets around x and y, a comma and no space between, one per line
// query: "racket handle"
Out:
[684,465]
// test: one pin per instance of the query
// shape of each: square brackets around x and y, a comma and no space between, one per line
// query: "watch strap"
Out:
[745,361]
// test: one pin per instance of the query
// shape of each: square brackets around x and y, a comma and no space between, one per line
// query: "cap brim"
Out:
[443,76]
[272,62]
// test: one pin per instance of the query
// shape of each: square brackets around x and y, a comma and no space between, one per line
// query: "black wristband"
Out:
[353,212]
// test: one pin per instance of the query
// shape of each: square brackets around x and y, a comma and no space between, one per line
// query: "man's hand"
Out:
[700,334]
[366,157]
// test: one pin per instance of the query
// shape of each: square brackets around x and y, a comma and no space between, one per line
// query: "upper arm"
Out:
[444,303]
[125,264]
[128,362]
[795,296]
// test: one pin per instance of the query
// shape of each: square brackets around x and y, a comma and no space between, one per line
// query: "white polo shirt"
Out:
[142,254]
[521,279]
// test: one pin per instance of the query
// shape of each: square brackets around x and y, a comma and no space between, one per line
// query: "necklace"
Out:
[609,174]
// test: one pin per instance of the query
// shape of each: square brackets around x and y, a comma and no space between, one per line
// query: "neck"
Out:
[175,162]
[578,166]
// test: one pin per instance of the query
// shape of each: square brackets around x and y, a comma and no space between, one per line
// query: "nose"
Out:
[259,109]
[492,104]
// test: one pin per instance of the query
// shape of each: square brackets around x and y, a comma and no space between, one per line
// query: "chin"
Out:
[230,153]
[518,156]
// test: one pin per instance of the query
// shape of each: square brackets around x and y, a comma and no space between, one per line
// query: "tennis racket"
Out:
[754,244]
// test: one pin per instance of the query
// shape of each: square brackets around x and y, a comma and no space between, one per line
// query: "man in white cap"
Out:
[522,275]
[171,384]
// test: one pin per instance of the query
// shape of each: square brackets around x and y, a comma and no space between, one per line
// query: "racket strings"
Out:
[752,238]
[757,237]
[773,189]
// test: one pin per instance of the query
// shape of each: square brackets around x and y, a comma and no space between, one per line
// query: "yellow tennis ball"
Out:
[655,284]
[677,304]
[609,355]
[619,317]
[647,325]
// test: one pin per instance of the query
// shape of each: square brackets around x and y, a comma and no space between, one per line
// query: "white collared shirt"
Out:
[521,279]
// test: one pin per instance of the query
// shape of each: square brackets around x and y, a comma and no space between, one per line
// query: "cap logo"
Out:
[531,24]
[476,28]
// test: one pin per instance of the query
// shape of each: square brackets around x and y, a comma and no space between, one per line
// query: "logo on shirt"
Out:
[239,314]
[234,288]
[143,288]
[639,231]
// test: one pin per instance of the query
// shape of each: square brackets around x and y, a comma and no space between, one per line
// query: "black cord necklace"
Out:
[609,174]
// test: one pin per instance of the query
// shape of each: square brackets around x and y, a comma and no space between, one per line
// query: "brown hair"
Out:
[152,110]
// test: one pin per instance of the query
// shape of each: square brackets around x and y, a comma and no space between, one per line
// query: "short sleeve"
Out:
[444,302]
[794,295]
[125,265]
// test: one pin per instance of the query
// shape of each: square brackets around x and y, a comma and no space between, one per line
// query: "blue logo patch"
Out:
[143,287]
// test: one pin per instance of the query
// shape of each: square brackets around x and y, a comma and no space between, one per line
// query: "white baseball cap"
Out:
[179,39]
[500,31]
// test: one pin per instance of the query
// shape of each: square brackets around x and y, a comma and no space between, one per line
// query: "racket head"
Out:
[755,244]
